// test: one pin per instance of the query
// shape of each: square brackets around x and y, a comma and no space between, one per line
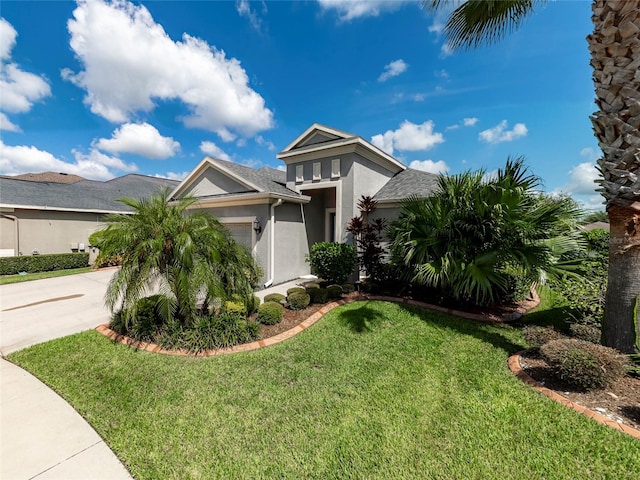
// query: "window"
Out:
[317,171]
[335,168]
[299,173]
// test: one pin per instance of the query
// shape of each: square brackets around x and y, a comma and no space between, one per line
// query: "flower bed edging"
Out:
[516,369]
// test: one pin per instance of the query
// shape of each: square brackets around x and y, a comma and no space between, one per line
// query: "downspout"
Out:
[272,243]
[17,237]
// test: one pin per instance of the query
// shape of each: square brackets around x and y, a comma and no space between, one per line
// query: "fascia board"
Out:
[309,132]
[64,209]
[248,199]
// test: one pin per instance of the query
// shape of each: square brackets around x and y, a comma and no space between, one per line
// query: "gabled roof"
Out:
[337,140]
[406,184]
[263,180]
[81,196]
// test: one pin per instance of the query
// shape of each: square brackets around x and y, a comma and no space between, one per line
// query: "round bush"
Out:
[296,289]
[274,297]
[332,261]
[311,286]
[318,295]
[582,364]
[537,336]
[334,291]
[348,288]
[298,300]
[588,333]
[270,313]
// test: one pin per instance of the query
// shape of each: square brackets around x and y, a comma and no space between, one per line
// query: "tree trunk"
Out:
[615,58]
[621,328]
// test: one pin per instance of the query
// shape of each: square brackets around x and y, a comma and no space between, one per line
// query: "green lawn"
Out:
[7,279]
[373,390]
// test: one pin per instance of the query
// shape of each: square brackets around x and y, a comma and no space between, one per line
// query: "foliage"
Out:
[42,263]
[298,300]
[296,289]
[253,304]
[318,295]
[598,241]
[588,333]
[348,288]
[536,336]
[333,262]
[584,364]
[367,234]
[270,313]
[189,257]
[234,308]
[274,297]
[593,217]
[334,291]
[474,234]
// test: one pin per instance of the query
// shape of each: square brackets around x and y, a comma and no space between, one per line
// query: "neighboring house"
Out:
[278,214]
[56,213]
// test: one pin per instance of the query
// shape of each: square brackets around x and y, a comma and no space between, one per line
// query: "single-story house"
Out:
[277,213]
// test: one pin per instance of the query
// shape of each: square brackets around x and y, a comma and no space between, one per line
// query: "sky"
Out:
[105,88]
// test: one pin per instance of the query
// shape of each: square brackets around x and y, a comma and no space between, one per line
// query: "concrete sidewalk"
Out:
[41,435]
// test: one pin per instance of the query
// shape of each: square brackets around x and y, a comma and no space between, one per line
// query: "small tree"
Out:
[367,234]
[333,262]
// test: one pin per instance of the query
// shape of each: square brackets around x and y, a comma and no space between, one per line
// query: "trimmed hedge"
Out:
[296,290]
[274,297]
[334,291]
[43,263]
[298,300]
[318,295]
[270,313]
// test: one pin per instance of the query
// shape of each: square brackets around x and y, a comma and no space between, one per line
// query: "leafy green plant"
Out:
[270,313]
[298,300]
[474,234]
[318,295]
[367,233]
[334,291]
[296,289]
[584,364]
[274,297]
[235,308]
[42,263]
[348,288]
[333,262]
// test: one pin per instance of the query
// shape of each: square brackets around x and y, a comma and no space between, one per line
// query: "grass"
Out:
[373,390]
[7,279]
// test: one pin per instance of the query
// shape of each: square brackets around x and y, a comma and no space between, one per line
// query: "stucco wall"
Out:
[291,247]
[211,182]
[48,231]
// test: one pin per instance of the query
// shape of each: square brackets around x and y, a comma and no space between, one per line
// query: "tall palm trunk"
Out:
[615,58]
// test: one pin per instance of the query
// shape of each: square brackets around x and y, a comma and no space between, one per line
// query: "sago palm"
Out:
[615,58]
[189,258]
[474,234]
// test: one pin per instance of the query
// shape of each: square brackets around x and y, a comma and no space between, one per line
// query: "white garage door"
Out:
[242,232]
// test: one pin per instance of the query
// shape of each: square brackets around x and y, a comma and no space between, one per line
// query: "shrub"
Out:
[588,333]
[318,295]
[216,331]
[311,285]
[144,322]
[237,308]
[537,336]
[334,291]
[296,289]
[583,364]
[274,297]
[333,262]
[298,300]
[42,263]
[348,288]
[270,313]
[253,304]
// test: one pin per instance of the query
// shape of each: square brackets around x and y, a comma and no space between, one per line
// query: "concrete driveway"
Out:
[41,310]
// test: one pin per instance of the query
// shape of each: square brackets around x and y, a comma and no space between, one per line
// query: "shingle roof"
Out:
[83,195]
[55,177]
[266,178]
[408,183]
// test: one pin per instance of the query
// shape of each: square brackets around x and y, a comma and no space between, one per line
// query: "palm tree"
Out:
[190,258]
[475,236]
[615,58]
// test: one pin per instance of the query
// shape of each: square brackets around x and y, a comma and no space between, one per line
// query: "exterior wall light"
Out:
[256,226]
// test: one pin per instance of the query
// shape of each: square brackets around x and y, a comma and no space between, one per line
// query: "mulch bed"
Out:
[619,402]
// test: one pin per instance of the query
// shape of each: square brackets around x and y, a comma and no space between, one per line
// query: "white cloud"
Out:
[141,139]
[20,89]
[145,65]
[591,154]
[582,179]
[470,121]
[172,175]
[419,97]
[452,127]
[282,168]
[499,133]
[265,143]
[446,50]
[409,136]
[430,166]
[349,9]
[393,69]
[19,159]
[442,74]
[243,7]
[5,124]
[215,151]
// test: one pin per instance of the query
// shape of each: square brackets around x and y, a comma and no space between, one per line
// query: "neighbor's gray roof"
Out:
[266,178]
[83,195]
[408,183]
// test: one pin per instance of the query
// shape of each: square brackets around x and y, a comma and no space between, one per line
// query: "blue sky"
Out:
[101,89]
